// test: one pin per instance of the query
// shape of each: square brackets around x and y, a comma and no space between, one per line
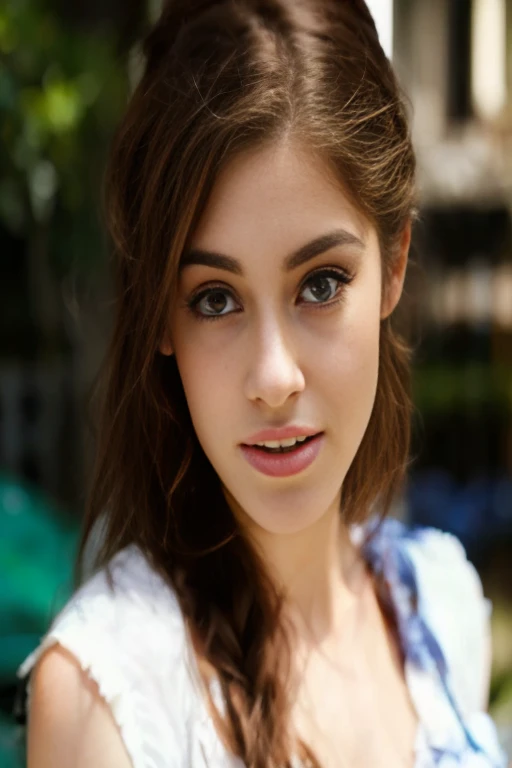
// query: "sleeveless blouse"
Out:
[132,641]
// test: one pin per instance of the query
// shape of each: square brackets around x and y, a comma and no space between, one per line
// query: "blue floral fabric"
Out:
[454,730]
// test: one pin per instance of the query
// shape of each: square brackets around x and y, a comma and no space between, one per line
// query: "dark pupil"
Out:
[221,299]
[325,289]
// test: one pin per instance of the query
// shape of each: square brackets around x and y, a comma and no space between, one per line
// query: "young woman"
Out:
[252,603]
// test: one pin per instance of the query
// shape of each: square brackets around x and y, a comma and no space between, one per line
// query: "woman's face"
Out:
[275,341]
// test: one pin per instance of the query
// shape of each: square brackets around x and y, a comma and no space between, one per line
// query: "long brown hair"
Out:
[221,78]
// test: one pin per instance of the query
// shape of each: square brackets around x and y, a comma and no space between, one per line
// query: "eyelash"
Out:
[342,277]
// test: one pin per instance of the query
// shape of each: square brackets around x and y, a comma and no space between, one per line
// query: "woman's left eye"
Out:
[323,282]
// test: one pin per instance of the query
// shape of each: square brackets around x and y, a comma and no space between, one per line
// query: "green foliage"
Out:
[62,90]
[441,387]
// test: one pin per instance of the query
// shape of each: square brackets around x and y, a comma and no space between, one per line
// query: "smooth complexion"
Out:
[265,337]
[286,345]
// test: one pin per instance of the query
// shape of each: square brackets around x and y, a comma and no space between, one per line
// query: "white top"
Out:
[132,642]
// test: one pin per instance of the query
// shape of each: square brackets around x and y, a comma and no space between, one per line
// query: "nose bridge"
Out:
[273,365]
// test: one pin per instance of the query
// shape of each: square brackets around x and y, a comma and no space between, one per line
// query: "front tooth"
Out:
[288,442]
[283,443]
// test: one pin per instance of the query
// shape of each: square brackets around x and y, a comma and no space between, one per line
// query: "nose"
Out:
[274,372]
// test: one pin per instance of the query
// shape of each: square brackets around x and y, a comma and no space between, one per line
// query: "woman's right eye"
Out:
[213,298]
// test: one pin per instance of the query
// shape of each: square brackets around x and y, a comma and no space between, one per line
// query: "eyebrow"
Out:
[292,261]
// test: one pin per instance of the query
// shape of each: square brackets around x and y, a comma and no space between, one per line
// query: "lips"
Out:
[284,464]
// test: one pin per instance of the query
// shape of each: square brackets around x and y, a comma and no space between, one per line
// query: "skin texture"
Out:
[279,361]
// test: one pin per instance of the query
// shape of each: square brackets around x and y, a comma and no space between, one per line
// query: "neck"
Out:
[320,572]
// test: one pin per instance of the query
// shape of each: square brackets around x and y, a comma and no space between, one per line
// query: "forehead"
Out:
[272,193]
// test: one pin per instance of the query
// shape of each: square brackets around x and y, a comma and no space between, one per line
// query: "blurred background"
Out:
[66,71]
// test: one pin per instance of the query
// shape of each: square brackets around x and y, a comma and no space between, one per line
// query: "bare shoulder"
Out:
[69,723]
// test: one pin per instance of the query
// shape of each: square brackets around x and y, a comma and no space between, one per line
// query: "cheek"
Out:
[205,382]
[352,372]
[356,367]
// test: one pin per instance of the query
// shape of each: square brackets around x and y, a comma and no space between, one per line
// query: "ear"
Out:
[165,346]
[396,278]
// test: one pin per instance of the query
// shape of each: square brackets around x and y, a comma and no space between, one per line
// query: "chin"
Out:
[284,511]
[290,520]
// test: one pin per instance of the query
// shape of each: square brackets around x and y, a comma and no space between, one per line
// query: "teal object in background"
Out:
[37,554]
[38,547]
[11,744]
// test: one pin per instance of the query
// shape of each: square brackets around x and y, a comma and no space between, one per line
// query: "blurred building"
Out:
[454,60]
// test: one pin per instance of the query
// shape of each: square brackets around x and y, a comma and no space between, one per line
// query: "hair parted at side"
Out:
[221,78]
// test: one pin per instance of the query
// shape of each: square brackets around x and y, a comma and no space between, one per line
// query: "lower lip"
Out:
[284,464]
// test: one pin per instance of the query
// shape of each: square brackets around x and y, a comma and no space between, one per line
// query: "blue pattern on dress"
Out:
[385,548]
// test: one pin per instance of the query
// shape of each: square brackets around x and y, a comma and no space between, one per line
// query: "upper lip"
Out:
[280,434]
